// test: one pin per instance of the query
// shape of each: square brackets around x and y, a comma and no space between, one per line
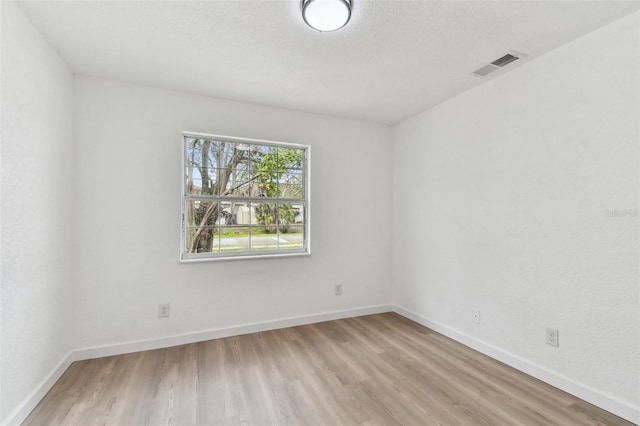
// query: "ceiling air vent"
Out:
[498,63]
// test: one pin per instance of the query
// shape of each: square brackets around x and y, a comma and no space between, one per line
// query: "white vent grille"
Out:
[498,63]
[505,60]
[487,69]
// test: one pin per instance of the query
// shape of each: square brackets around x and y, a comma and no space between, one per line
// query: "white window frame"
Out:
[305,201]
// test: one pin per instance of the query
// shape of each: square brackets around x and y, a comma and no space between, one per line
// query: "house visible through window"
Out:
[243,198]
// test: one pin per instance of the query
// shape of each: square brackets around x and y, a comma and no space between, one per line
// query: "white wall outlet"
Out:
[338,289]
[475,316]
[163,310]
[553,337]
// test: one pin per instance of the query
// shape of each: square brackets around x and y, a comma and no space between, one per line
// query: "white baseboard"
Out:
[591,395]
[201,336]
[18,415]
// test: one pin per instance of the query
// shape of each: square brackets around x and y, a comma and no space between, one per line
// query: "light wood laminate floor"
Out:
[373,370]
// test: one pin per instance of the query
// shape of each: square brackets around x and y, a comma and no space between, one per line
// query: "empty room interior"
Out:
[328,212]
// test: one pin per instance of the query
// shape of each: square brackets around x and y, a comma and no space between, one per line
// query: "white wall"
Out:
[37,109]
[501,200]
[128,181]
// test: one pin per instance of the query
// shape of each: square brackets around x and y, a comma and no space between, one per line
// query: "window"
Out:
[243,198]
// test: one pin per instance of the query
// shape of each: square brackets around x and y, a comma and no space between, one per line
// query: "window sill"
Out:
[242,257]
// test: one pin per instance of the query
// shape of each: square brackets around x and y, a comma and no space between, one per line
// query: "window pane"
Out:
[264,238]
[286,215]
[201,153]
[263,155]
[238,213]
[201,162]
[199,213]
[264,171]
[233,155]
[236,182]
[202,182]
[290,184]
[206,239]
[200,221]
[234,238]
[290,241]
[291,226]
[265,185]
[266,217]
[291,158]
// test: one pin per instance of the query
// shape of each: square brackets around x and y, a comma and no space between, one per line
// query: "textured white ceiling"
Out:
[394,59]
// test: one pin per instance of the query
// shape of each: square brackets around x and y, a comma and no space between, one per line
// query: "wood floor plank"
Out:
[379,369]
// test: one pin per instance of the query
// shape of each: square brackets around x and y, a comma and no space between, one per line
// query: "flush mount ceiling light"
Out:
[326,15]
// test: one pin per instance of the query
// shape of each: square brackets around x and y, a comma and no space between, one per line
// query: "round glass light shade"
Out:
[326,15]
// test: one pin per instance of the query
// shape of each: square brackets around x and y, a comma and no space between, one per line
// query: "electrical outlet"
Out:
[163,310]
[338,290]
[553,337]
[475,316]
